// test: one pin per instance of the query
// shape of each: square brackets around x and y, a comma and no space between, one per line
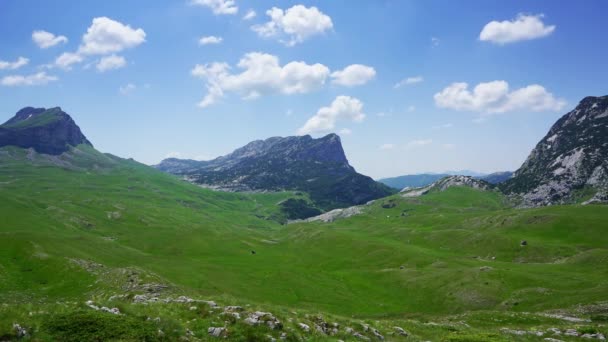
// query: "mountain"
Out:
[412,181]
[50,131]
[571,161]
[316,166]
[424,179]
[445,183]
[497,177]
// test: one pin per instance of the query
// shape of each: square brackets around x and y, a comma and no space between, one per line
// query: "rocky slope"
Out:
[49,131]
[446,183]
[317,166]
[572,157]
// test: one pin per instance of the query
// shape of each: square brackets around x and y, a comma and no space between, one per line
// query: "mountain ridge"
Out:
[318,166]
[571,157]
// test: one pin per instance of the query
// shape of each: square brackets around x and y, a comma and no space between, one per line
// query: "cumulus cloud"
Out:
[210,40]
[249,15]
[66,59]
[524,27]
[127,89]
[45,39]
[408,81]
[40,78]
[110,63]
[496,97]
[353,75]
[387,146]
[218,6]
[21,61]
[343,108]
[106,36]
[262,74]
[297,24]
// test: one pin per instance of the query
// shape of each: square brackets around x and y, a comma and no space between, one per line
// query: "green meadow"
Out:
[444,266]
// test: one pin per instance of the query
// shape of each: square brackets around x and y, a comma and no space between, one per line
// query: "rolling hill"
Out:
[168,260]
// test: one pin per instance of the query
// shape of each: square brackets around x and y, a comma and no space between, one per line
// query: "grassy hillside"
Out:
[88,226]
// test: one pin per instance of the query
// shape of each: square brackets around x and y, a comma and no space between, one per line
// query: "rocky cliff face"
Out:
[317,166]
[49,131]
[571,157]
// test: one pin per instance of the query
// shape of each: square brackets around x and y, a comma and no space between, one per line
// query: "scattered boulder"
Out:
[523,243]
[377,334]
[259,317]
[19,330]
[400,331]
[217,331]
[304,327]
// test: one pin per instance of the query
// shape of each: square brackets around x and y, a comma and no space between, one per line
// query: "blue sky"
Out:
[136,91]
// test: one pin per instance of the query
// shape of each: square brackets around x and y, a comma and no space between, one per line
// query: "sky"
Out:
[410,86]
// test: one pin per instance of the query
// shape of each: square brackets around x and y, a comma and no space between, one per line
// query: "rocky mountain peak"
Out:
[317,166]
[49,131]
[573,155]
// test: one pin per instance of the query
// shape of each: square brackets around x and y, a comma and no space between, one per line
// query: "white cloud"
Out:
[411,109]
[409,81]
[127,89]
[40,78]
[289,112]
[45,39]
[110,63]
[353,75]
[387,146]
[21,61]
[106,36]
[345,131]
[495,97]
[210,40]
[66,59]
[418,143]
[343,108]
[218,6]
[448,146]
[524,27]
[435,41]
[262,74]
[297,23]
[250,15]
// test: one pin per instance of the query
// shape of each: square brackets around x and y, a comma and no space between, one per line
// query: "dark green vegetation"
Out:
[85,225]
[315,166]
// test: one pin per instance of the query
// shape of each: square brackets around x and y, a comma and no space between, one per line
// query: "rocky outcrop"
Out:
[572,156]
[446,183]
[50,131]
[317,166]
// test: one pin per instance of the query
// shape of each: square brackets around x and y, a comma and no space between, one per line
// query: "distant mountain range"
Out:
[425,179]
[570,162]
[316,166]
[569,165]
